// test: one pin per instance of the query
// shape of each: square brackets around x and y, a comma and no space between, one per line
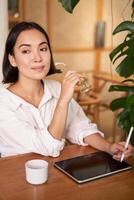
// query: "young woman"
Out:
[36,115]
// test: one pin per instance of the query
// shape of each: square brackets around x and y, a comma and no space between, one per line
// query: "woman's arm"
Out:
[97,141]
[57,125]
[116,149]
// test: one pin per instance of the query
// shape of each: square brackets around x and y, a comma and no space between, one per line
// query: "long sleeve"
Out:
[79,125]
[18,134]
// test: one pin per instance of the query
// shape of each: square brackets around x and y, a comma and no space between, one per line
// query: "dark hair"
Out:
[10,73]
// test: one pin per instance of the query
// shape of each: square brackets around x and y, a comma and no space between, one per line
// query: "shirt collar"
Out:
[46,96]
[11,100]
[49,93]
[49,88]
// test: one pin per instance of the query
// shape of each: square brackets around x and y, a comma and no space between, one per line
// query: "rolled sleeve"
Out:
[48,145]
[21,137]
[81,127]
[92,129]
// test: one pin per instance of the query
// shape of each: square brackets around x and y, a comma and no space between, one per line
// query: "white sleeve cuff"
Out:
[83,135]
[82,130]
[50,146]
[55,145]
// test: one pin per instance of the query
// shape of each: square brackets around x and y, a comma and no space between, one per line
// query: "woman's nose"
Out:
[37,57]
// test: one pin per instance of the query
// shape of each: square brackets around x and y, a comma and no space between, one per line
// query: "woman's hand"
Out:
[117,149]
[69,82]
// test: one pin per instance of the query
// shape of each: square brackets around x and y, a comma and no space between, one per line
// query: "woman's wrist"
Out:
[63,102]
[108,148]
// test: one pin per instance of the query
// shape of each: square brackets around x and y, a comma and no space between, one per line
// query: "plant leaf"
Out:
[117,50]
[123,53]
[123,119]
[124,26]
[126,67]
[133,4]
[132,139]
[69,5]
[132,114]
[128,80]
[130,100]
[121,88]
[118,103]
[123,48]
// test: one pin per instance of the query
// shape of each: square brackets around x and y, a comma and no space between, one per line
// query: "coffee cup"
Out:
[36,171]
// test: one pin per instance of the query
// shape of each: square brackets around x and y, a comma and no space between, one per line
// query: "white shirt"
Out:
[24,128]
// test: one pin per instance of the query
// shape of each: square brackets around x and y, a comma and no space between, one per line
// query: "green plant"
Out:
[69,5]
[125,68]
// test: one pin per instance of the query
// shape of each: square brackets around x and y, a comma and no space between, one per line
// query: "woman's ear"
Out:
[12,60]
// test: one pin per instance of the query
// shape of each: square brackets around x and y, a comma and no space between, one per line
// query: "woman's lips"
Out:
[38,69]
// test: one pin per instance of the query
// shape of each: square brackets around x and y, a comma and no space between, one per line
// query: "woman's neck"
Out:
[30,91]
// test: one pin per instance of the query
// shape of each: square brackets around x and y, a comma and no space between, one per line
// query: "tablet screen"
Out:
[92,166]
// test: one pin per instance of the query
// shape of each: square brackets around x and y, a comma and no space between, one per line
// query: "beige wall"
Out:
[36,10]
[118,14]
[3,31]
[73,30]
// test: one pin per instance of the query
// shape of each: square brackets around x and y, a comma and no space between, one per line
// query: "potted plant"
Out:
[125,50]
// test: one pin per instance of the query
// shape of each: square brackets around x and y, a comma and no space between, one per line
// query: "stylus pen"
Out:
[127,142]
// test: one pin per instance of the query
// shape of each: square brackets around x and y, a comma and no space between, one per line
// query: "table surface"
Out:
[13,185]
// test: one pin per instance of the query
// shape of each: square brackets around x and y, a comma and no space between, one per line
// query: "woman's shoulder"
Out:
[4,98]
[3,92]
[7,99]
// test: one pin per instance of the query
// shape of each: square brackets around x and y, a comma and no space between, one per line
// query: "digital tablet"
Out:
[90,167]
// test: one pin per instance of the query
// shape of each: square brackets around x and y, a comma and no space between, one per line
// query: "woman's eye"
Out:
[25,51]
[44,49]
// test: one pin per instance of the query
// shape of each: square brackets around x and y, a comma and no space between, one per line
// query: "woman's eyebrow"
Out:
[28,45]
[43,43]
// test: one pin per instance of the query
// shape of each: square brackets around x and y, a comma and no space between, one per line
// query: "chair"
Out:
[90,103]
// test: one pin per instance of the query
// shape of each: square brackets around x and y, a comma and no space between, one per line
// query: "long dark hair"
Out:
[10,73]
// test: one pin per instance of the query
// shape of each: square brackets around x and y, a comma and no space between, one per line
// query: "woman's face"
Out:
[31,55]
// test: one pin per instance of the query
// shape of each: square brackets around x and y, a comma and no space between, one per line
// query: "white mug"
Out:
[36,171]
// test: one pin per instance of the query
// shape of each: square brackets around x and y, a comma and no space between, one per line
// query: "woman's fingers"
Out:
[71,79]
[73,74]
[129,150]
[68,85]
[120,149]
[70,73]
